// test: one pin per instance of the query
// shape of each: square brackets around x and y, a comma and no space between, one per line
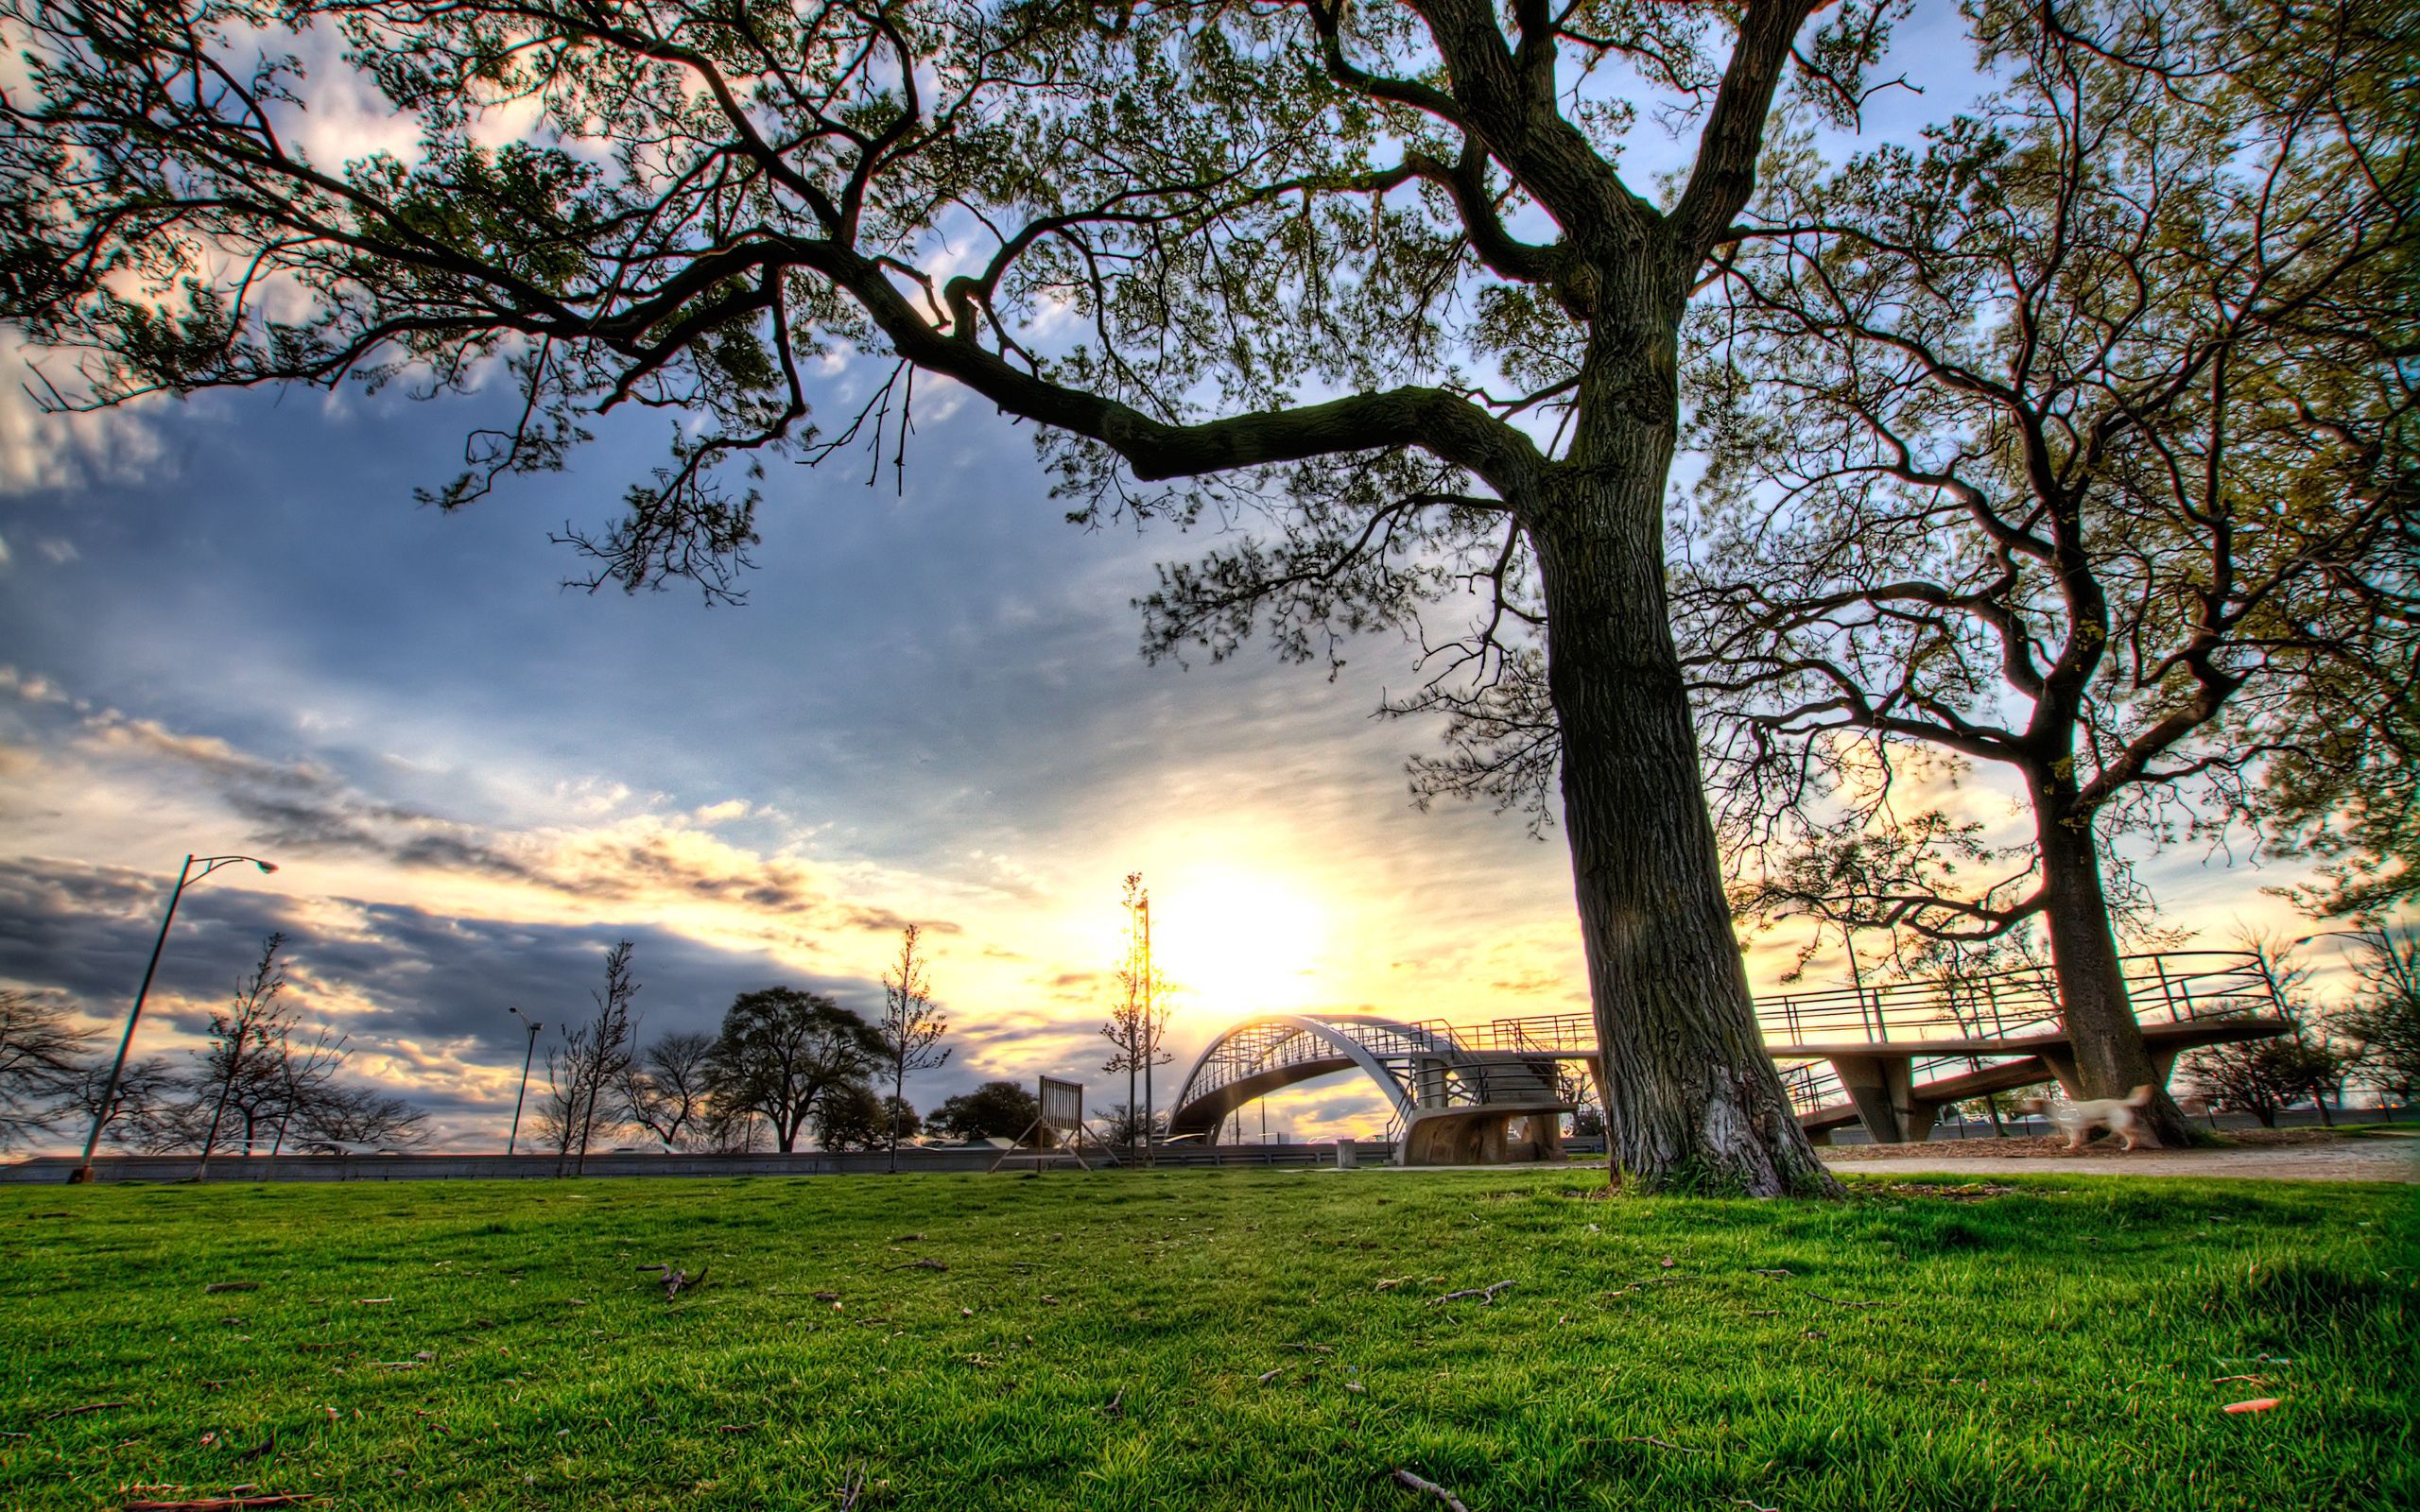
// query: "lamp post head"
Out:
[265,866]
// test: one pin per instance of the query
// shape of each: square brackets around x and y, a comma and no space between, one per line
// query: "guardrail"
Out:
[2165,987]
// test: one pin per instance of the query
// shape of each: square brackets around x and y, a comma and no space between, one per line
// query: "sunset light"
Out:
[1235,942]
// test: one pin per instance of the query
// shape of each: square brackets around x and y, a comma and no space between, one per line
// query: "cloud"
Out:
[45,450]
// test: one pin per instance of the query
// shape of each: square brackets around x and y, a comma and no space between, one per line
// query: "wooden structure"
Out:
[1058,1128]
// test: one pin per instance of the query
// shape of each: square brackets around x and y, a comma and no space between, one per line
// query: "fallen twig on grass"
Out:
[1756,1270]
[852,1485]
[216,1287]
[928,1263]
[1423,1484]
[79,1412]
[676,1280]
[1388,1283]
[1842,1302]
[1265,1376]
[1116,1407]
[1485,1294]
[1741,1500]
[223,1504]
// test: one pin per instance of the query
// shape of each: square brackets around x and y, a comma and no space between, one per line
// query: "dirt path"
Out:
[2326,1159]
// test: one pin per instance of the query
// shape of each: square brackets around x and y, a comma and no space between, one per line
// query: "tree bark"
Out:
[2110,1058]
[1692,1101]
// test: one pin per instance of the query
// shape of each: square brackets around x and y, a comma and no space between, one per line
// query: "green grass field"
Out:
[1214,1339]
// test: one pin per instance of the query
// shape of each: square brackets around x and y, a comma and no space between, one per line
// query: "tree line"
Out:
[783,1065]
[2074,441]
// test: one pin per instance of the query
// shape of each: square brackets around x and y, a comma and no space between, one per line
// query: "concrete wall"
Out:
[54,1168]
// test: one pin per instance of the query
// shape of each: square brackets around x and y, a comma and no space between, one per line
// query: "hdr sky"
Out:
[225,627]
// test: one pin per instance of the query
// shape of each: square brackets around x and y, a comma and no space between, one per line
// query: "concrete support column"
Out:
[1881,1087]
[2063,1066]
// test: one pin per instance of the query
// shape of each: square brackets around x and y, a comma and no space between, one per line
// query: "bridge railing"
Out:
[2165,987]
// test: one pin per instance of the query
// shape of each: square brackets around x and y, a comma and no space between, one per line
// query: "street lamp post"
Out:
[514,1141]
[186,876]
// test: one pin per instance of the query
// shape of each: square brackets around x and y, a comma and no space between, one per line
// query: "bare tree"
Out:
[2382,1024]
[911,1029]
[1138,1017]
[596,1058]
[667,1092]
[337,1116]
[254,1022]
[138,1115]
[41,1060]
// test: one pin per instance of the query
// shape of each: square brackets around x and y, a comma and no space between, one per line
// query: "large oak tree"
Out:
[1372,270]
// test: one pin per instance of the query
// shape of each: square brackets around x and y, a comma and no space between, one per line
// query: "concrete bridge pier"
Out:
[1883,1089]
[1482,1135]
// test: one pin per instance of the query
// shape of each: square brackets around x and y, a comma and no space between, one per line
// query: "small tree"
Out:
[137,1116]
[1122,1126]
[2382,1024]
[41,1060]
[2264,1076]
[780,1050]
[596,1060]
[255,1022]
[910,1030]
[997,1110]
[338,1115]
[1138,1017]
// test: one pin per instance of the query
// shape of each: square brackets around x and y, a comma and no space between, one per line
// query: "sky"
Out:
[225,627]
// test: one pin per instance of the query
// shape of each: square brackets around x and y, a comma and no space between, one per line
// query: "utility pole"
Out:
[102,1110]
[514,1141]
[1150,1040]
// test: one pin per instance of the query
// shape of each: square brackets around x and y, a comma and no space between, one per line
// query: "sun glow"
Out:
[1237,942]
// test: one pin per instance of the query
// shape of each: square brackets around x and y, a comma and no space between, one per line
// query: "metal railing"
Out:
[2165,987]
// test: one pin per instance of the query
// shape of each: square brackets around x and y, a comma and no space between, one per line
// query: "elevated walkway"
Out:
[1889,1057]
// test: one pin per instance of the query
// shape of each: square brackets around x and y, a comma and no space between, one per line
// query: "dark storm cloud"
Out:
[328,821]
[86,931]
[439,986]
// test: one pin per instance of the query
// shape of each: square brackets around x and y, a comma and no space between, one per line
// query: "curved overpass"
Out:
[1452,1105]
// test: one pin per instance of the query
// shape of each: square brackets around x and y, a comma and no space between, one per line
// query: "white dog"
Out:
[2078,1119]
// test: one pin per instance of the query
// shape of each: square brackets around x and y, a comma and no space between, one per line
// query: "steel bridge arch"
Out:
[1445,1097]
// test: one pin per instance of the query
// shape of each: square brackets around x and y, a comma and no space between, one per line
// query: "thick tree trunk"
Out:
[2111,1057]
[1692,1100]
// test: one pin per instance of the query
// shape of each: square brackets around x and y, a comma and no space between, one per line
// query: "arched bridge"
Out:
[1452,1105]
